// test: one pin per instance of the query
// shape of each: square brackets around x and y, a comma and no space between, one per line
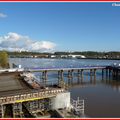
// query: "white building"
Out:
[77,56]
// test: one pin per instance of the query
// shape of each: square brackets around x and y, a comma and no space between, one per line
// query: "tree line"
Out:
[87,54]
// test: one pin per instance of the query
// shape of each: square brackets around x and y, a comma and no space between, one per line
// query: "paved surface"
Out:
[11,83]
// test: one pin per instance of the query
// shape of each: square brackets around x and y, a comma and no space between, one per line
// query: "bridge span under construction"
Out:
[21,96]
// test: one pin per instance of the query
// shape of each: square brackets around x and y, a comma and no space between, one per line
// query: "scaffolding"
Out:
[36,106]
[17,110]
[78,106]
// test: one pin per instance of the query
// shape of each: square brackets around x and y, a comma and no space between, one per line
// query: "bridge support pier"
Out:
[109,73]
[78,75]
[106,73]
[102,74]
[70,76]
[91,74]
[60,77]
[81,72]
[94,76]
[44,77]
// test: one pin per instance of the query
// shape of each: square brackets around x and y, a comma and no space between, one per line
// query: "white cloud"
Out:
[42,45]
[16,42]
[2,15]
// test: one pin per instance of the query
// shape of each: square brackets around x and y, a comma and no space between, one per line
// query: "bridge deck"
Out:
[65,69]
[13,89]
[11,83]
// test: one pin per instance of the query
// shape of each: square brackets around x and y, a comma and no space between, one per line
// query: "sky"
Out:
[48,27]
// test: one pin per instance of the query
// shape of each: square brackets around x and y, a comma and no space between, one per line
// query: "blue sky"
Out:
[60,26]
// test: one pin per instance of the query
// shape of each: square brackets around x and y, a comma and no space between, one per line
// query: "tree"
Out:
[3,59]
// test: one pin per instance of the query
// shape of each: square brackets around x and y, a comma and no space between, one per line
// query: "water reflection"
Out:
[114,84]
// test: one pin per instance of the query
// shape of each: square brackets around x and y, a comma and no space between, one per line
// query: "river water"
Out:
[102,97]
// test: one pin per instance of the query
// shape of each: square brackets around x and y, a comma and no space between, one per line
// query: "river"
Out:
[102,97]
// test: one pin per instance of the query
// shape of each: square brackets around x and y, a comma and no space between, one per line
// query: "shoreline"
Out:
[71,58]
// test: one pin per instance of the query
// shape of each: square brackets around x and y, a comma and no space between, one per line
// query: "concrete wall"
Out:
[62,100]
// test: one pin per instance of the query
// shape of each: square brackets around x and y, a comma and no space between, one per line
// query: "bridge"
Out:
[70,72]
[63,68]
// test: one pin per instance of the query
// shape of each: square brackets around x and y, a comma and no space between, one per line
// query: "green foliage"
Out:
[3,59]
[26,54]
